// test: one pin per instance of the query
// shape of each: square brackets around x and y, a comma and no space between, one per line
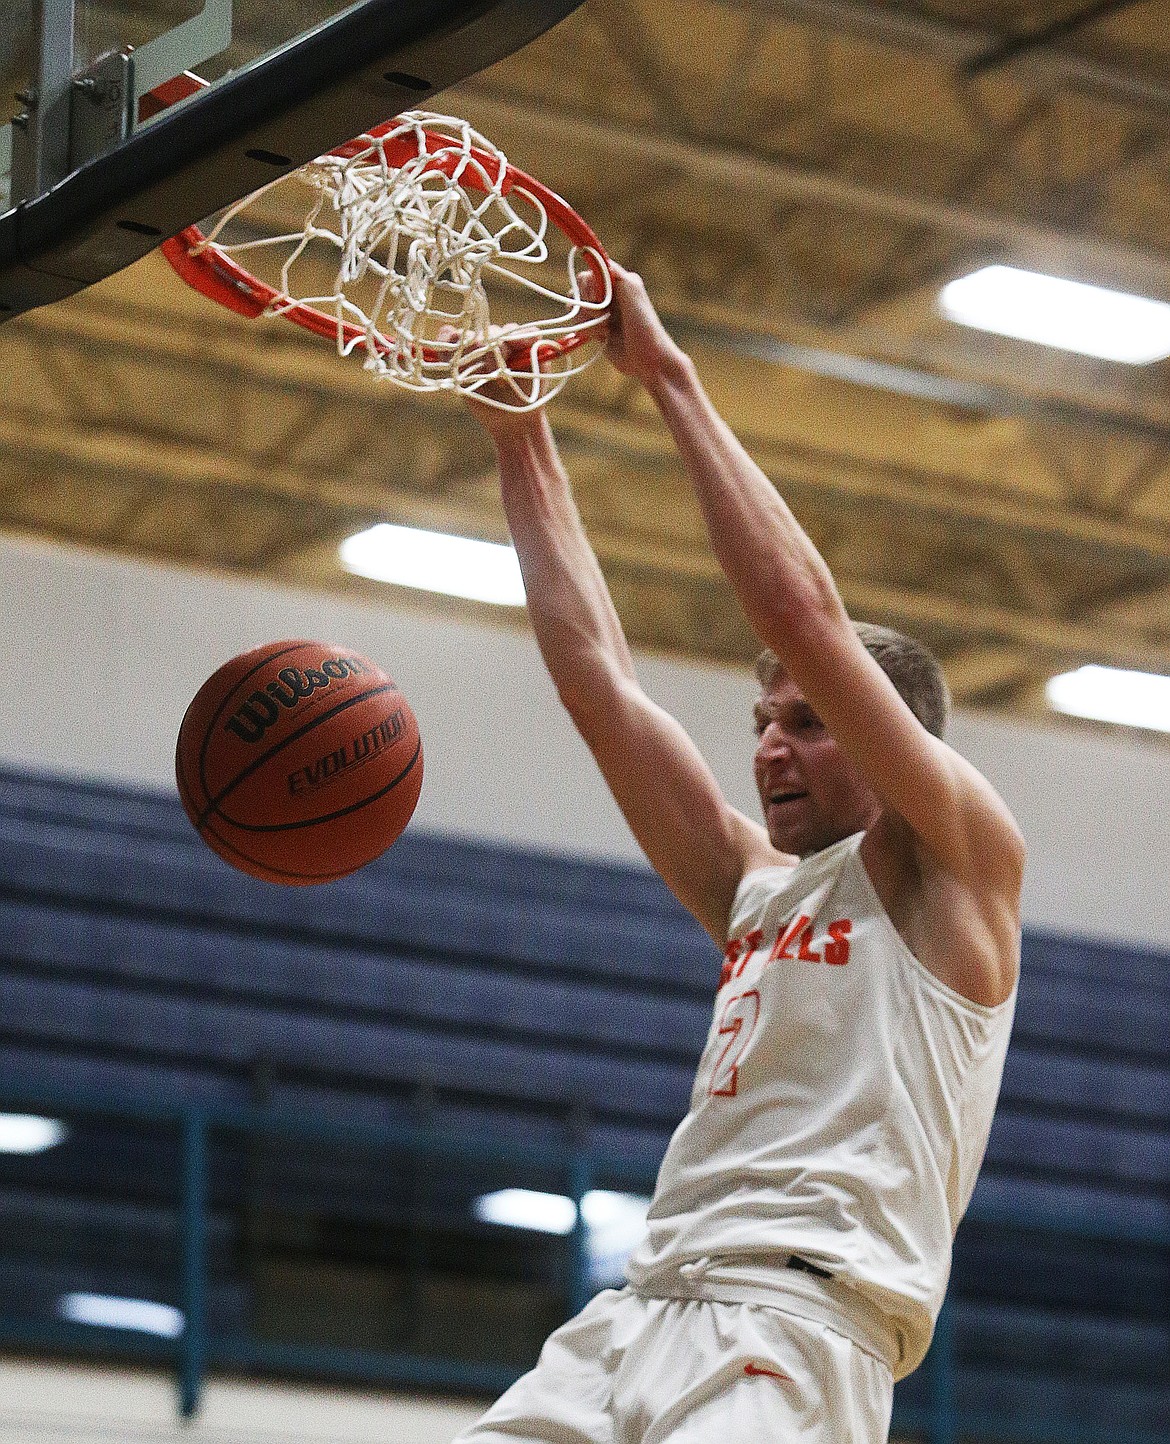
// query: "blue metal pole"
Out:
[193,1342]
[943,1427]
[580,1289]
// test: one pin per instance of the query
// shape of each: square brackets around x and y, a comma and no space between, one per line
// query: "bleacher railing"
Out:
[197,1349]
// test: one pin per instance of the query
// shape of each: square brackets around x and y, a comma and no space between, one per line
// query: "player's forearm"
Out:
[576,626]
[781,579]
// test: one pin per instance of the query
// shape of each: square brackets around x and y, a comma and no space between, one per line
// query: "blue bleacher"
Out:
[505,991]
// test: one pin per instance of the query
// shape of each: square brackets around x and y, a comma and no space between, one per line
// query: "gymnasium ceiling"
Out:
[795,179]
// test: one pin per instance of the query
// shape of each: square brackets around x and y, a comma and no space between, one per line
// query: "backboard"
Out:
[103,158]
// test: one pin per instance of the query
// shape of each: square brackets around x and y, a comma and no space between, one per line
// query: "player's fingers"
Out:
[592,285]
[631,291]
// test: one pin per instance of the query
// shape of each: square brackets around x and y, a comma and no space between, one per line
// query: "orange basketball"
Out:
[299,762]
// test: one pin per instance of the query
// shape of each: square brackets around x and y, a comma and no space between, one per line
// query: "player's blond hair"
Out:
[909,664]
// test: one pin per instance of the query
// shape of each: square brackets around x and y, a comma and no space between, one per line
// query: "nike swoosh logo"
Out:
[770,1373]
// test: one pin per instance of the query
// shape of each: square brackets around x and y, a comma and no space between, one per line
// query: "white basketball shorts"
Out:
[634,1370]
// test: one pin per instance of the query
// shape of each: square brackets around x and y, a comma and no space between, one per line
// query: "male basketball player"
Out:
[800,1235]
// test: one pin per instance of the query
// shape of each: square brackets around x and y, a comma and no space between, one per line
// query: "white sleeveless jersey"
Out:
[840,1113]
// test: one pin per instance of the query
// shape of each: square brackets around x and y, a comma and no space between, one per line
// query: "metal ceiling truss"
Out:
[958,45]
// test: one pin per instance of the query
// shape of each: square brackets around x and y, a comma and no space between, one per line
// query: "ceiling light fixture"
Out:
[1113,694]
[434,561]
[107,1311]
[29,1133]
[1071,315]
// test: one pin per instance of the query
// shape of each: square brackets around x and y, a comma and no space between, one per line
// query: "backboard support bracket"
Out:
[101,106]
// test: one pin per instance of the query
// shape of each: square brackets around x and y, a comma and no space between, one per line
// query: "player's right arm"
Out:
[698,843]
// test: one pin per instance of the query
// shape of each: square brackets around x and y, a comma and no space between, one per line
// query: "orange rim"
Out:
[221,279]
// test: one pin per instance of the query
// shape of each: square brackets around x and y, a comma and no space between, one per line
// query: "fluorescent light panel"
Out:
[29,1133]
[615,1223]
[603,1211]
[527,1208]
[107,1311]
[1071,315]
[436,562]
[1113,694]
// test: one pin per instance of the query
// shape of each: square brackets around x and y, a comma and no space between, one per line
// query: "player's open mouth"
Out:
[777,798]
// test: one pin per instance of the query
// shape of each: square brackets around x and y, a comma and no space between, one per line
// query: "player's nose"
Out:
[773,742]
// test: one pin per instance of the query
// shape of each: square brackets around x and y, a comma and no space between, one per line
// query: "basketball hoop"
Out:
[403,240]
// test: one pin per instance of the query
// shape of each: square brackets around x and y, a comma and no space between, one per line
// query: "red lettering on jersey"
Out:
[837,949]
[784,941]
[806,954]
[750,943]
[730,958]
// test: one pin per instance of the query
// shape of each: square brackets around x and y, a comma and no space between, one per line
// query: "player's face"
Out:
[812,795]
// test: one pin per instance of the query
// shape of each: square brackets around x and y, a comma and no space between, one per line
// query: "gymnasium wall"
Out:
[100,654]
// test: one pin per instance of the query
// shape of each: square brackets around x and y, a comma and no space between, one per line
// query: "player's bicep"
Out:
[698,843]
[950,807]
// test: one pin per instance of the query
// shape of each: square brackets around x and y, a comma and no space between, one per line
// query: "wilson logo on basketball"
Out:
[348,755]
[254,717]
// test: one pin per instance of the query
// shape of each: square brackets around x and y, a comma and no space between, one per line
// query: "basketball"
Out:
[299,762]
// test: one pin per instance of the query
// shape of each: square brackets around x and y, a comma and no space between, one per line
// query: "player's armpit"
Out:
[966,934]
[697,842]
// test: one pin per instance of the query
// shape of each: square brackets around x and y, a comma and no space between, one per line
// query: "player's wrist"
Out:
[672,371]
[517,433]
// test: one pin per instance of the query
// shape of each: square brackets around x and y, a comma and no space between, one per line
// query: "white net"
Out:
[407,242]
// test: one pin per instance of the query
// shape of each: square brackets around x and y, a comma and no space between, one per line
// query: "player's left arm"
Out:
[959,823]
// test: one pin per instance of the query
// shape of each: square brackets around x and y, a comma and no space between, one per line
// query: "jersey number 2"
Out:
[737,1023]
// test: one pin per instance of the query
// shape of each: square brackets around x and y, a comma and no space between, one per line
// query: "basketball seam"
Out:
[283,872]
[329,816]
[214,803]
[215,716]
